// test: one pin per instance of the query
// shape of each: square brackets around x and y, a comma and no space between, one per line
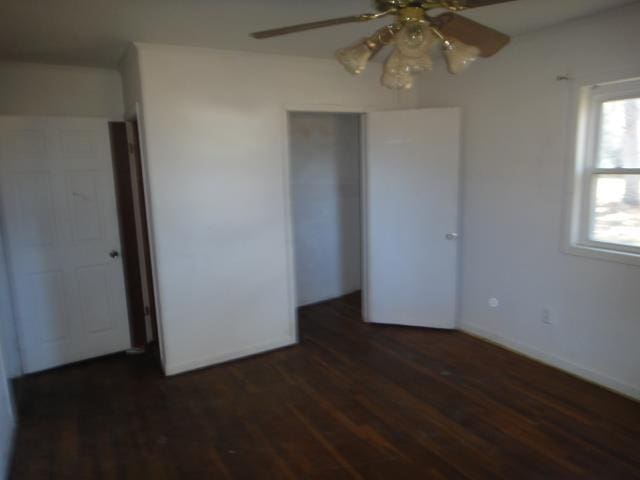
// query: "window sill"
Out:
[601,253]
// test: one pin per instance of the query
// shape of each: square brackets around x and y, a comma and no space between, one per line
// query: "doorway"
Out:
[375,208]
[326,204]
[134,234]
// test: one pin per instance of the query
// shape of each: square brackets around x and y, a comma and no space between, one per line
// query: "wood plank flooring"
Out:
[352,401]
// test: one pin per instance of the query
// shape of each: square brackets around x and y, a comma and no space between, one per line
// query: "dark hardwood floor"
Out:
[352,401]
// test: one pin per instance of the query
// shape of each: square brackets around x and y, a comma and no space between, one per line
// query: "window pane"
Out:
[617,210]
[619,145]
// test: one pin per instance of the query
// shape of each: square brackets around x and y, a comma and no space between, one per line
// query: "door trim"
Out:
[138,117]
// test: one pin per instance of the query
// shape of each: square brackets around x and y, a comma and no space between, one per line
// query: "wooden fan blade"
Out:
[459,5]
[313,25]
[480,3]
[488,40]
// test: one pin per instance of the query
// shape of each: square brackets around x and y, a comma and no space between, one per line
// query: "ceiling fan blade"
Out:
[459,5]
[488,40]
[313,25]
[480,3]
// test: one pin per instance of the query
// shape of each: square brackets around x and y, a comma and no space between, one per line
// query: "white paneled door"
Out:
[411,181]
[59,216]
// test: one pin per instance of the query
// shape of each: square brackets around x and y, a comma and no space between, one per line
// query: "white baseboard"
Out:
[227,356]
[584,373]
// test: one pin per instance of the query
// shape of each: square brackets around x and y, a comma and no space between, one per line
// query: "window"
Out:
[606,207]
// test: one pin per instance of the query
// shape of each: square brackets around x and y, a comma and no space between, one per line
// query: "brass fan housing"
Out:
[384,5]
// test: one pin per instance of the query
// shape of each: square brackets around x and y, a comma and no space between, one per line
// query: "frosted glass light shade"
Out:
[459,55]
[397,72]
[355,58]
[397,81]
[414,39]
[418,64]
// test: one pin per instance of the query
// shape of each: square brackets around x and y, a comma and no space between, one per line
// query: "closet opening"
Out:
[325,174]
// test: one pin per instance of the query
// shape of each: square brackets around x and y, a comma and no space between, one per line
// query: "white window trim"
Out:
[585,103]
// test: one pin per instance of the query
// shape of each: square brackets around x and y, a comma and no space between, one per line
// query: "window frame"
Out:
[589,97]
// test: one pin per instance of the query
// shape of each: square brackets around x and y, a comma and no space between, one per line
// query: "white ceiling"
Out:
[96,32]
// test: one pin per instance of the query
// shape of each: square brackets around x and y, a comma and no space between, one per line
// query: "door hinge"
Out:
[147,310]
[131,148]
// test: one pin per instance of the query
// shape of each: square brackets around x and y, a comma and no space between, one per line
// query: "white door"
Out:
[59,210]
[411,182]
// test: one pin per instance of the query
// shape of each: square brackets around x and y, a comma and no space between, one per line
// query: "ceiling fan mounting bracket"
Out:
[411,13]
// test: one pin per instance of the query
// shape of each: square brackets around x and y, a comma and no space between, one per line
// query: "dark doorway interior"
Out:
[134,232]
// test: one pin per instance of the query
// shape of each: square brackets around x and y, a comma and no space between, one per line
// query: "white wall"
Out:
[215,128]
[325,197]
[7,423]
[37,89]
[516,154]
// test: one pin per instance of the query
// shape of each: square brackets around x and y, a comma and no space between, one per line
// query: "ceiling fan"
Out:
[413,34]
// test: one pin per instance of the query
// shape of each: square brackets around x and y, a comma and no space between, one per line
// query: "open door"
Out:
[63,240]
[411,180]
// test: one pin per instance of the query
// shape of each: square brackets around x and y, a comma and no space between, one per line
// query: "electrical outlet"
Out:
[494,302]
[547,316]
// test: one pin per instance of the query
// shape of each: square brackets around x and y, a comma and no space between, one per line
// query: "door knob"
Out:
[452,236]
[114,254]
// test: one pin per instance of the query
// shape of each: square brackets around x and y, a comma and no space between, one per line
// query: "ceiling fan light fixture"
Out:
[397,81]
[419,64]
[355,58]
[415,39]
[412,34]
[397,72]
[459,55]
